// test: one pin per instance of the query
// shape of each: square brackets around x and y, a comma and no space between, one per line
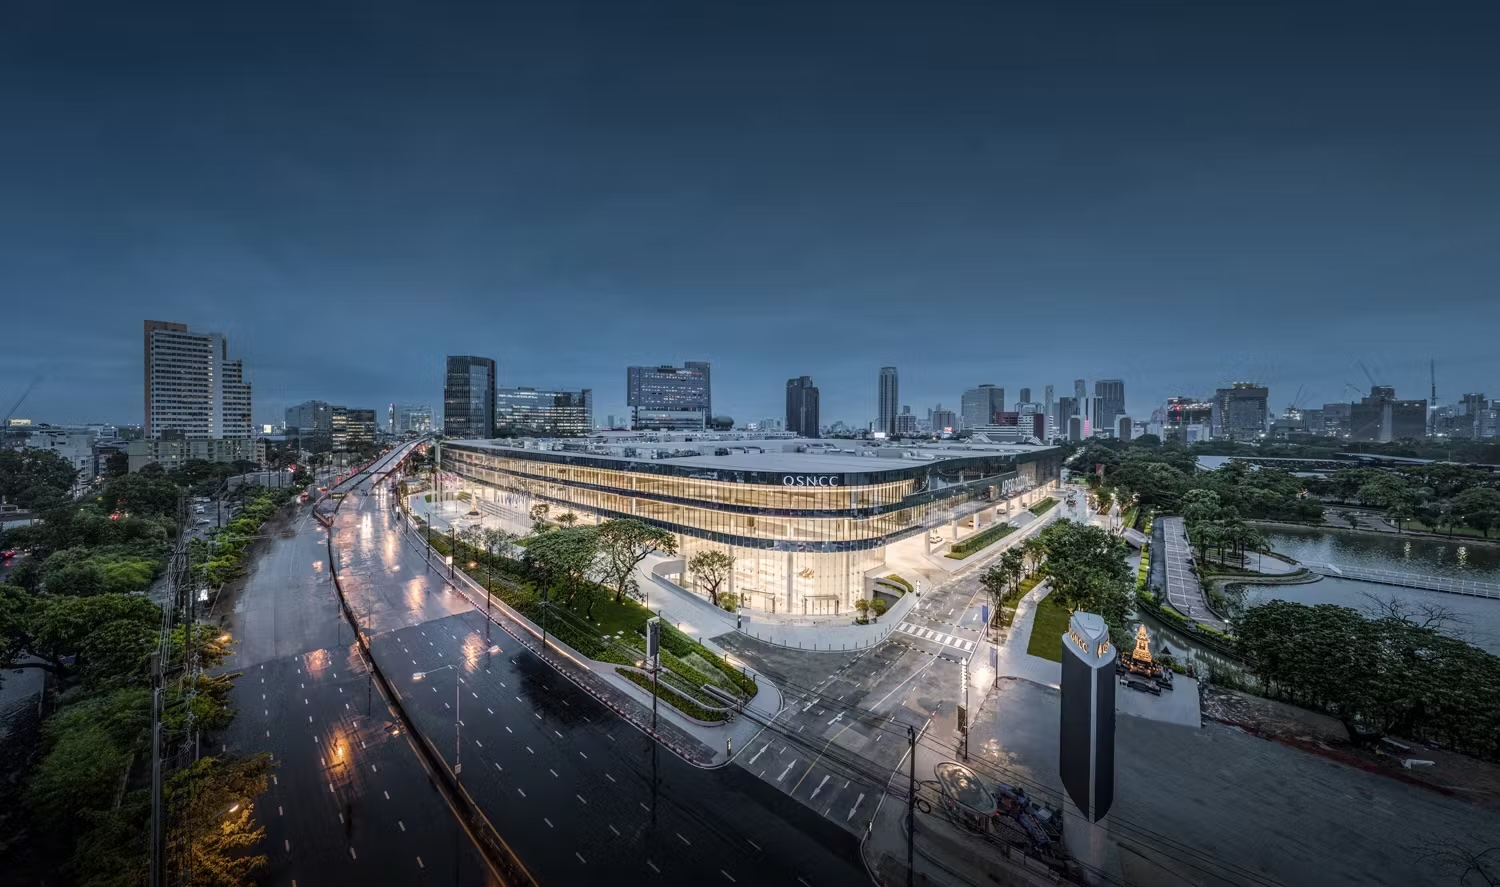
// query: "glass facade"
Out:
[664,397]
[794,545]
[469,398]
[527,412]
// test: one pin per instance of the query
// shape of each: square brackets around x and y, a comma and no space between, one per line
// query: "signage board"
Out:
[653,638]
[810,480]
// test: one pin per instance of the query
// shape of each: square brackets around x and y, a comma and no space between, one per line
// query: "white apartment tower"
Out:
[191,385]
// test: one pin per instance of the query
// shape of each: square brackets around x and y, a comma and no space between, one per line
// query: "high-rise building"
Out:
[979,406]
[410,418]
[944,421]
[669,398]
[310,417]
[193,389]
[1381,417]
[527,412]
[1182,412]
[1239,411]
[1109,401]
[906,425]
[1067,408]
[469,398]
[352,428]
[1086,745]
[890,391]
[1049,405]
[802,406]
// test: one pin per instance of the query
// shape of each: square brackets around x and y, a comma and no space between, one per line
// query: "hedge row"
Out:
[1043,506]
[901,582]
[672,698]
[982,539]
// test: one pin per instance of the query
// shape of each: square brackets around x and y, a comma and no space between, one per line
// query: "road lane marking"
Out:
[419,863]
[581,800]
[727,875]
[855,807]
[580,857]
[615,830]
[753,844]
[549,822]
[820,786]
[402,824]
[610,778]
[387,796]
[761,752]
[584,756]
[523,794]
[653,866]
[787,770]
[554,773]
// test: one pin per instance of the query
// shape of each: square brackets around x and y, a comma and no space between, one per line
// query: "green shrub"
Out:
[901,582]
[1043,506]
[982,539]
[672,698]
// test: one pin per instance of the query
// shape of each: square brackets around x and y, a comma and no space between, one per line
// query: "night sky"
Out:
[1019,193]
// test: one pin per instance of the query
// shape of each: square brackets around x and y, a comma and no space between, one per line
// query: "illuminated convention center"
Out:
[807,521]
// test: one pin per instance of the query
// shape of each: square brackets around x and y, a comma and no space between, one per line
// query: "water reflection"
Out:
[1389,551]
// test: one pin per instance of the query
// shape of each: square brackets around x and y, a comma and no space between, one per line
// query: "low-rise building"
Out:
[171,454]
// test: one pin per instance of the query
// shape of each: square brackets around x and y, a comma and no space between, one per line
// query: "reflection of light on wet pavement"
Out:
[317,566]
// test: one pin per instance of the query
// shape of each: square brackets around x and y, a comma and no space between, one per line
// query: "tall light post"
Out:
[458,700]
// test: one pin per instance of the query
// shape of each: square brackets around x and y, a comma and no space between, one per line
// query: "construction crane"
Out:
[5,423]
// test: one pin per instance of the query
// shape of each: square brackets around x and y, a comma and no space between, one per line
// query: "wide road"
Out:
[349,800]
[580,795]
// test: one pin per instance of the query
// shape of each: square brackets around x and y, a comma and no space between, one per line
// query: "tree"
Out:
[1013,566]
[624,544]
[35,478]
[497,540]
[1479,507]
[567,518]
[1034,551]
[711,568]
[54,630]
[565,557]
[1399,514]
[877,608]
[144,493]
[1088,571]
[211,805]
[996,581]
[116,465]
[863,607]
[88,748]
[539,517]
[1351,517]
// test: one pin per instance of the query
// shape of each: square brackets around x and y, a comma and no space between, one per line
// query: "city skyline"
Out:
[605,213]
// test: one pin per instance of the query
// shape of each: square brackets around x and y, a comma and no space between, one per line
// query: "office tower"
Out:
[192,387]
[802,406]
[1049,403]
[528,412]
[1079,392]
[1025,396]
[1124,425]
[1381,417]
[1086,746]
[1067,408]
[980,405]
[469,397]
[944,421]
[1336,419]
[906,425]
[1075,428]
[669,398]
[1109,400]
[889,396]
[310,417]
[413,419]
[1239,412]
[352,428]
[1182,412]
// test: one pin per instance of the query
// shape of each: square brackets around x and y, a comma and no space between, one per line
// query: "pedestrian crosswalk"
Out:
[935,636]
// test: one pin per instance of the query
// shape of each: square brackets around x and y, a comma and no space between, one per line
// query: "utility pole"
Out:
[911,804]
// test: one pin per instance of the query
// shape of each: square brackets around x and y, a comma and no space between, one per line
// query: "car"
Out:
[203,521]
[8,553]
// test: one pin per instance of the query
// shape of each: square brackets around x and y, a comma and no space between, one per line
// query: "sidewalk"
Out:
[1013,660]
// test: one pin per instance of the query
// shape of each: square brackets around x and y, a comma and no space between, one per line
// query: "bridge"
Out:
[1447,584]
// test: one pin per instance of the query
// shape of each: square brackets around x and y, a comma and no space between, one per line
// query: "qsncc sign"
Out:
[810,480]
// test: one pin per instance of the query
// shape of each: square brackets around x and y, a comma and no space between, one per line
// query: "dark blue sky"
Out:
[1175,194]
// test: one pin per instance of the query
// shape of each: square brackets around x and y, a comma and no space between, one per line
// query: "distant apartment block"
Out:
[173,454]
[1381,417]
[192,388]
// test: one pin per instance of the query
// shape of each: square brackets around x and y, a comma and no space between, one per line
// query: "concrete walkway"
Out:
[1013,660]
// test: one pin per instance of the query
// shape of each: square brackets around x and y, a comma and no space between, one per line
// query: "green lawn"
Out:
[1458,532]
[1046,633]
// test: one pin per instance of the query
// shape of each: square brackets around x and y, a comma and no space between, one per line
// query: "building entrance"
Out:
[821,605]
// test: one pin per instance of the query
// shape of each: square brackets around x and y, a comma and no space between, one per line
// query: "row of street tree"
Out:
[75,609]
